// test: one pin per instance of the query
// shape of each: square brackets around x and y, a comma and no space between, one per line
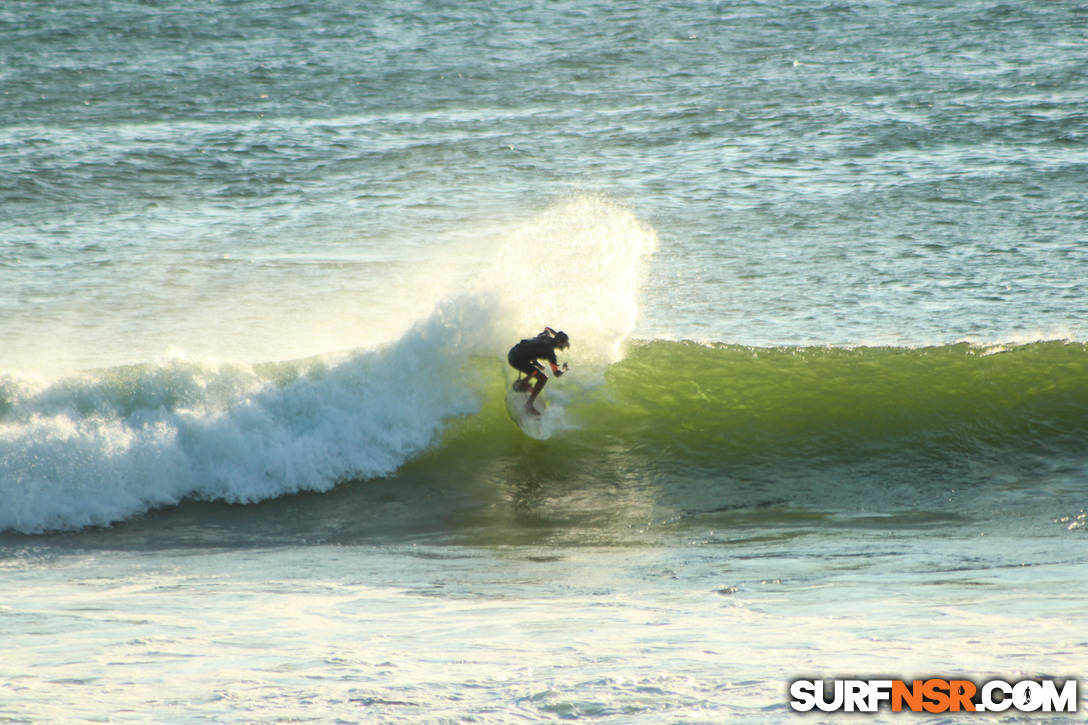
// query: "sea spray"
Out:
[104,445]
[577,266]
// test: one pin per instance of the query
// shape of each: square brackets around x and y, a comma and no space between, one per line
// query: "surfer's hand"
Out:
[558,373]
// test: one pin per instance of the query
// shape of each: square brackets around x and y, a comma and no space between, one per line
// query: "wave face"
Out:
[740,435]
[786,414]
[107,445]
[735,403]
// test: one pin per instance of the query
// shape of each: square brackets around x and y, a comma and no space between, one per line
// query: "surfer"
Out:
[524,357]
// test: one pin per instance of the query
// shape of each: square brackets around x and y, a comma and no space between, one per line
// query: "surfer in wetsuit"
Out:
[524,357]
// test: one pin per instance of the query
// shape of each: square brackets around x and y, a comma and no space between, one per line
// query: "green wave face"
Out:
[690,438]
[671,405]
[736,402]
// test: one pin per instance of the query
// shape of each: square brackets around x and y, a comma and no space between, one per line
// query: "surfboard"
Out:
[531,425]
[541,427]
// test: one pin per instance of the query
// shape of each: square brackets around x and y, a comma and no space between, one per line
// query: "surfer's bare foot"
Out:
[531,410]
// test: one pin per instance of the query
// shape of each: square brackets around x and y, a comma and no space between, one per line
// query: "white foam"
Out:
[102,446]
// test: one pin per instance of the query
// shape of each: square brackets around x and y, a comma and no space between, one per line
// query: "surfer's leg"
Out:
[524,368]
[541,379]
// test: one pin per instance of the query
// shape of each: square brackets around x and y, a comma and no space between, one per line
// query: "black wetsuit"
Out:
[522,355]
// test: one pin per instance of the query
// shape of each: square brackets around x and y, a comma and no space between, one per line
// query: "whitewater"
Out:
[103,445]
[823,266]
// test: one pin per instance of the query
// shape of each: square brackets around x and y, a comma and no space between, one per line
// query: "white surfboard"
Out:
[532,425]
[541,427]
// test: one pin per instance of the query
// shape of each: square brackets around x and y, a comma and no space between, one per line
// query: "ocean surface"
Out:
[823,263]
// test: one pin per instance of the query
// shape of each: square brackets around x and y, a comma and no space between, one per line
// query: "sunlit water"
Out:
[260,264]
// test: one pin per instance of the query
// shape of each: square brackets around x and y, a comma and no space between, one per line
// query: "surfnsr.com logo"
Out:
[933,695]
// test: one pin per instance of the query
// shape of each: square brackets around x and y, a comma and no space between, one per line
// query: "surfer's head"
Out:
[561,340]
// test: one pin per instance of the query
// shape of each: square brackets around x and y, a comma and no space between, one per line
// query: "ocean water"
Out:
[824,266]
